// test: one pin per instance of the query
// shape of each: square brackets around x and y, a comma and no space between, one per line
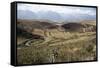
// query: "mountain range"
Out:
[53,16]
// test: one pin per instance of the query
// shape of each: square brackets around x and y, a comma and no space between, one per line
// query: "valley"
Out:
[44,42]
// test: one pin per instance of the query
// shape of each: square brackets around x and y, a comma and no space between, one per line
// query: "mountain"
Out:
[49,15]
[30,25]
[76,17]
[72,26]
[79,27]
[54,16]
[26,14]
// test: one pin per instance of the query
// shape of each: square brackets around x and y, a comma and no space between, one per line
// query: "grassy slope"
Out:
[60,47]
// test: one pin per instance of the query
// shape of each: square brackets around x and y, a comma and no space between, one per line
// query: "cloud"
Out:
[58,9]
[67,10]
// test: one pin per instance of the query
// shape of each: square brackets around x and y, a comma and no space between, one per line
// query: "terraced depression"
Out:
[43,42]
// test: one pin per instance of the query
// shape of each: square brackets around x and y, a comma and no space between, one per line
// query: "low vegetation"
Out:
[56,45]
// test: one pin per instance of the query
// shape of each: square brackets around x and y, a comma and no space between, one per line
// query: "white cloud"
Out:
[58,9]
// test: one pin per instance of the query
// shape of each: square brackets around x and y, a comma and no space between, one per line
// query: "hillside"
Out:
[29,25]
[84,26]
[45,42]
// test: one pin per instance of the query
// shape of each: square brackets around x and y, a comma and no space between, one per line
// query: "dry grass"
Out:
[59,47]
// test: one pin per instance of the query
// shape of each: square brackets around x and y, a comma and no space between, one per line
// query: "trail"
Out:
[51,41]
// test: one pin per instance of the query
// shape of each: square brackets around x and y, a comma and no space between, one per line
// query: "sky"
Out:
[55,13]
